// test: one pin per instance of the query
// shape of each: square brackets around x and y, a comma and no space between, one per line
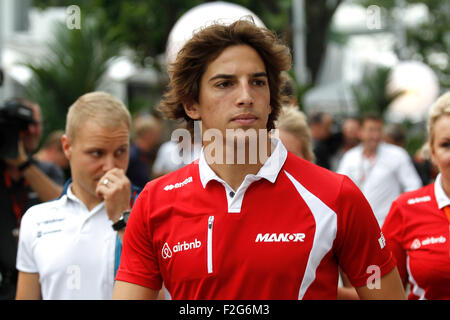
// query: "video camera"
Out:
[14,118]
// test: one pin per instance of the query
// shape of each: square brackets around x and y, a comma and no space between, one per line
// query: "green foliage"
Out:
[370,93]
[415,136]
[300,89]
[74,65]
[144,25]
[429,40]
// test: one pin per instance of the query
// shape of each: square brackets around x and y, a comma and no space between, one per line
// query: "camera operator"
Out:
[24,182]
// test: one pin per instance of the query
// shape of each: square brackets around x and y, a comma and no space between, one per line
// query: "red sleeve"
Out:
[138,262]
[393,231]
[360,244]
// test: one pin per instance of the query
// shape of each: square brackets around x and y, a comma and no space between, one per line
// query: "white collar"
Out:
[441,197]
[70,196]
[269,170]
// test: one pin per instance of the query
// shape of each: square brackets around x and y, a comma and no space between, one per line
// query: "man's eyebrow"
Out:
[259,74]
[222,76]
[230,76]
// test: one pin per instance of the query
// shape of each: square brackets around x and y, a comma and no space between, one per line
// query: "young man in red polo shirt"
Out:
[229,227]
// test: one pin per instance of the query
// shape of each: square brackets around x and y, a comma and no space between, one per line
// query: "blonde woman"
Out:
[417,226]
[294,132]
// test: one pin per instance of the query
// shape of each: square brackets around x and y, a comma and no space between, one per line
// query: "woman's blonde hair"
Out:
[292,120]
[106,110]
[439,108]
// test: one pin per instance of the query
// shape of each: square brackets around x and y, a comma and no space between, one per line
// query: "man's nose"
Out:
[108,163]
[245,97]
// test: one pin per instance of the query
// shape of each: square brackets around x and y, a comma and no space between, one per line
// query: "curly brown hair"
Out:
[204,47]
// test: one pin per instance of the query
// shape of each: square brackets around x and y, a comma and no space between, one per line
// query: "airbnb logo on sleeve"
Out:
[166,252]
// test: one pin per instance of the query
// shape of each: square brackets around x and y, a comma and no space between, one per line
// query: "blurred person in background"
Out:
[382,171]
[288,90]
[325,142]
[294,132]
[68,248]
[349,138]
[425,167]
[25,181]
[394,133]
[175,154]
[350,132]
[147,132]
[417,226]
[51,150]
[292,123]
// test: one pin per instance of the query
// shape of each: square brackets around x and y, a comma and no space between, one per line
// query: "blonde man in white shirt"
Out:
[67,246]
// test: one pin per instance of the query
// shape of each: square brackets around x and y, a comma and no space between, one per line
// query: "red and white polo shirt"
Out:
[281,235]
[417,231]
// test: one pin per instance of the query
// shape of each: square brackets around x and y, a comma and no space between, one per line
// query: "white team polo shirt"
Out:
[70,247]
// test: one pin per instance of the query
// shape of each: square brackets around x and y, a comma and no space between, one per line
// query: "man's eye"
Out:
[121,152]
[223,84]
[97,153]
[259,82]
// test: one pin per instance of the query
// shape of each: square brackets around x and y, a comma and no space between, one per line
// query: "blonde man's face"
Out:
[94,151]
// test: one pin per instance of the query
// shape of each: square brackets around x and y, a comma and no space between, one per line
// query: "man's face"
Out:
[371,133]
[150,138]
[326,124]
[350,130]
[322,130]
[33,134]
[234,92]
[94,151]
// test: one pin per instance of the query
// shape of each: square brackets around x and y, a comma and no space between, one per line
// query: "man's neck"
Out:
[89,200]
[369,152]
[234,173]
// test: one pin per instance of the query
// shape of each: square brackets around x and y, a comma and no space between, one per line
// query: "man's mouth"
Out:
[244,119]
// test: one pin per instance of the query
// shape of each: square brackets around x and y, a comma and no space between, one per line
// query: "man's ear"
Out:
[192,109]
[67,146]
